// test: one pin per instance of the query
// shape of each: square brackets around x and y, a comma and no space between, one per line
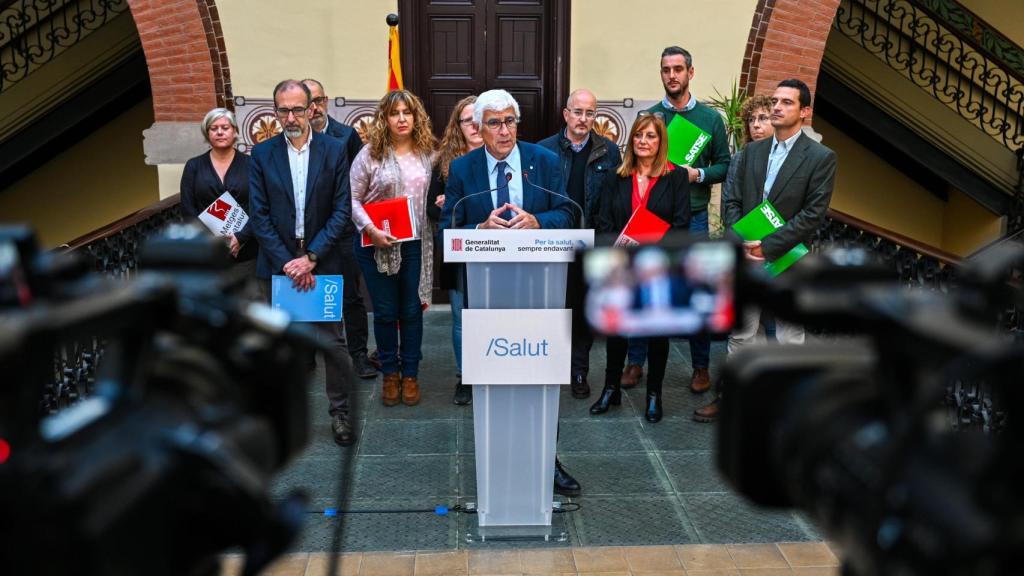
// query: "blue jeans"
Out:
[700,346]
[457,296]
[396,301]
[636,351]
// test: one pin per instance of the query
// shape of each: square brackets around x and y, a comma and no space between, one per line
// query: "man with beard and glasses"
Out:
[299,195]
[710,167]
[587,159]
[357,328]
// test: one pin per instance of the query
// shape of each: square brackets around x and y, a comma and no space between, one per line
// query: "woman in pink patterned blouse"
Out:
[396,162]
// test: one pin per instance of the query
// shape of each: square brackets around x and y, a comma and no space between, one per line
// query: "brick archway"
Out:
[185,53]
[787,40]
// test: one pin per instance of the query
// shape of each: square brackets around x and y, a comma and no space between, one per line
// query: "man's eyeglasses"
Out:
[495,125]
[298,111]
[320,100]
[658,115]
[580,113]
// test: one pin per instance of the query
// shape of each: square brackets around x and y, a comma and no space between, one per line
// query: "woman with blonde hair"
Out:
[460,136]
[396,162]
[645,179]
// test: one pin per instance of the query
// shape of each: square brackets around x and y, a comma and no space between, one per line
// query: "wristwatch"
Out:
[312,256]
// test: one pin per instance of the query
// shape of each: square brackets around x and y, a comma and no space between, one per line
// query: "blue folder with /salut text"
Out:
[321,304]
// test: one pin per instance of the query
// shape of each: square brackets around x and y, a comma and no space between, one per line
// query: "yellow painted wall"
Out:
[342,43]
[966,225]
[1007,16]
[873,190]
[96,181]
[616,46]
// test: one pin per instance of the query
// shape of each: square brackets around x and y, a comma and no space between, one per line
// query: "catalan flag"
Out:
[394,61]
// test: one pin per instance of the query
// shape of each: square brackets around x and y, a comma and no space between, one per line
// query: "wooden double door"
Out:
[454,48]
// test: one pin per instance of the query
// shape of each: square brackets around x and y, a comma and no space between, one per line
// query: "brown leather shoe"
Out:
[390,394]
[708,413]
[700,382]
[631,375]
[410,391]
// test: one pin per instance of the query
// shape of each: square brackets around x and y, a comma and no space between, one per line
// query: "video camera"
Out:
[852,429]
[199,400]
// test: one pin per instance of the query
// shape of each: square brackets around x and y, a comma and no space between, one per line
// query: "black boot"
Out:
[653,412]
[565,484]
[610,395]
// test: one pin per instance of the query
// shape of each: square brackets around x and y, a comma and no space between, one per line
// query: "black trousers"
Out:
[582,337]
[353,308]
[657,360]
[338,372]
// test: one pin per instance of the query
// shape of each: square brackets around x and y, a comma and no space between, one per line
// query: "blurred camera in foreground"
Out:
[199,399]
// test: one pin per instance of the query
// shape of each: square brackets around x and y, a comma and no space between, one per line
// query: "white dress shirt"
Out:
[298,162]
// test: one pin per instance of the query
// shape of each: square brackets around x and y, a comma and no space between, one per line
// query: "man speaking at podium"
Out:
[507,184]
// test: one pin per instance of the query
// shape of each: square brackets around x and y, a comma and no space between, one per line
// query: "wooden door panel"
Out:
[451,54]
[518,49]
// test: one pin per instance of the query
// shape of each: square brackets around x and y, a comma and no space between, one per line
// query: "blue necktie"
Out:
[502,187]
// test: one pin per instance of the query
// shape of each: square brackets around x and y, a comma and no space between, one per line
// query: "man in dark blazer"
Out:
[357,328]
[476,197]
[299,195]
[501,186]
[793,172]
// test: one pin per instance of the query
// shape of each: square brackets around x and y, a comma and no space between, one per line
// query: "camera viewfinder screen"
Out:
[656,291]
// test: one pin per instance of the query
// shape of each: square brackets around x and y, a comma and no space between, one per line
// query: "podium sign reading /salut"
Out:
[516,346]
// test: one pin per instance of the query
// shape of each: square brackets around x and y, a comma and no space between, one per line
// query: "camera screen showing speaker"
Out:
[662,290]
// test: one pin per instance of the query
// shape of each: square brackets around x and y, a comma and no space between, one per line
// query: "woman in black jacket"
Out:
[460,136]
[221,169]
[645,179]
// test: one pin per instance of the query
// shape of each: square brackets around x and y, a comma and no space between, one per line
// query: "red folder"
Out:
[394,217]
[644,227]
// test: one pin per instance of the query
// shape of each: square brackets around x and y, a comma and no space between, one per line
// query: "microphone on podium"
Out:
[526,178]
[508,178]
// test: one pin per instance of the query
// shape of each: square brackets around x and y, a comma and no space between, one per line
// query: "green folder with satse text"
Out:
[685,141]
[760,222]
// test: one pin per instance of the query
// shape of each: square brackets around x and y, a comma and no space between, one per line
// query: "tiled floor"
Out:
[799,558]
[643,484]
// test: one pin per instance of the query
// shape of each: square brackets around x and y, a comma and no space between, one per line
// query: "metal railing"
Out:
[984,87]
[34,32]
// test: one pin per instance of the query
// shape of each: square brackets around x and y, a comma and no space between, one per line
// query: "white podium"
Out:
[516,350]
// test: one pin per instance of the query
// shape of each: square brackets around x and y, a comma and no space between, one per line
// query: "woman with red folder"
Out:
[646,181]
[396,163]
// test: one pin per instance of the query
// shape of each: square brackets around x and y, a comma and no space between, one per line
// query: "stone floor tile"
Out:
[288,565]
[661,573]
[348,564]
[808,554]
[495,562]
[766,572]
[231,565]
[705,557]
[605,574]
[712,573]
[387,564]
[455,563]
[757,556]
[818,571]
[606,559]
[652,558]
[547,561]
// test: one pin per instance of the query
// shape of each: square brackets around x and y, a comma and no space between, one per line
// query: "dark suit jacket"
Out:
[669,200]
[328,204]
[801,192]
[468,175]
[352,144]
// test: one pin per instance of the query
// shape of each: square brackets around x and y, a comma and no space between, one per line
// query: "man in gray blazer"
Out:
[796,174]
